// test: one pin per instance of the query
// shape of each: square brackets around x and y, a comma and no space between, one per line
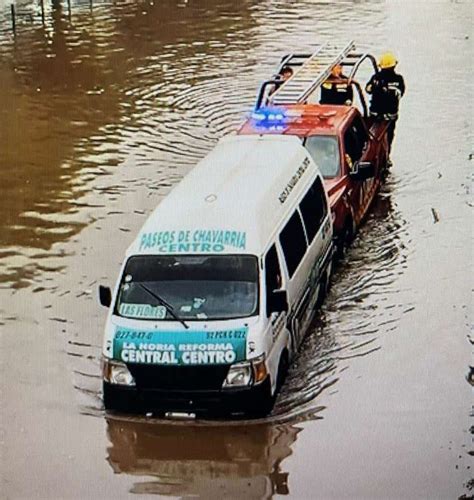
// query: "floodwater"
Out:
[103,109]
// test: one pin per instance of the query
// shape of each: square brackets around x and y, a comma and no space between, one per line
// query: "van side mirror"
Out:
[278,301]
[362,170]
[105,296]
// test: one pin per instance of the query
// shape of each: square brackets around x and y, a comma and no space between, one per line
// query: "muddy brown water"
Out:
[103,109]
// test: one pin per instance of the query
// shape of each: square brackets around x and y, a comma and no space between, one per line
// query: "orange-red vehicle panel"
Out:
[349,198]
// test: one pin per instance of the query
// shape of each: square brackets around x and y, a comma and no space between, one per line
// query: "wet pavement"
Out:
[103,109]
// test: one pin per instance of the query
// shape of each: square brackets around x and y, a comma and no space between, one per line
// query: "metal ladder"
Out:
[313,72]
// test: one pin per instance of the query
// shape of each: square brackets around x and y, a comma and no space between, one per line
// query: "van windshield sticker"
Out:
[199,240]
[146,311]
[180,347]
[294,180]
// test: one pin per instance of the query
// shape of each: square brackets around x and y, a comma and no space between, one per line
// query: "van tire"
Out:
[110,403]
[322,291]
[267,402]
[120,405]
[283,367]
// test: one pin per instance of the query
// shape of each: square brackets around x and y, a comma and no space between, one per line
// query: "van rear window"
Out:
[196,287]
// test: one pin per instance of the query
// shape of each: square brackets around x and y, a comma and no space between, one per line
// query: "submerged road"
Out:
[102,112]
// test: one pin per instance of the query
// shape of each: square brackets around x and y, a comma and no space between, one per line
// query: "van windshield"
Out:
[195,287]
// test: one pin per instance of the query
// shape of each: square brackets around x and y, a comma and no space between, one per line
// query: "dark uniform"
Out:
[336,91]
[387,88]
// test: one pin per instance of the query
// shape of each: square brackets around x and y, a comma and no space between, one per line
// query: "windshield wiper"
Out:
[165,304]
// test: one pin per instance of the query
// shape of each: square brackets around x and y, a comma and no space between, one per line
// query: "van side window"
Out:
[293,242]
[272,274]
[314,209]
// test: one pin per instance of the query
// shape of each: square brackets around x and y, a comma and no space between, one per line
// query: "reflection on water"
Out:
[81,97]
[208,461]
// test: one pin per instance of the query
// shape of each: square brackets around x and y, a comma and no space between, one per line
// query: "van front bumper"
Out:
[136,400]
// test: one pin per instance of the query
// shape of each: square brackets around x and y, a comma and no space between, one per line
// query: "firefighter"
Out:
[285,73]
[386,88]
[336,89]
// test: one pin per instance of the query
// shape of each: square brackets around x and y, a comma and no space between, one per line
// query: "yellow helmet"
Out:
[387,60]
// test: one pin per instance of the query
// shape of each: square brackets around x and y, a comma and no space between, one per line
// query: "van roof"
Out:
[232,201]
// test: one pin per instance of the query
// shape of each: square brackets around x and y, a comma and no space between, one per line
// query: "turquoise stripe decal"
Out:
[195,347]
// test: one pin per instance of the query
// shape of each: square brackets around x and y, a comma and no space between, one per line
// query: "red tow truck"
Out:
[350,149]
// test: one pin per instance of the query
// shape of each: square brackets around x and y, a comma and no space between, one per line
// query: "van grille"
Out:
[180,378]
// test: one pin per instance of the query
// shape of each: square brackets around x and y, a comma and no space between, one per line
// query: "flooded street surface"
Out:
[103,110]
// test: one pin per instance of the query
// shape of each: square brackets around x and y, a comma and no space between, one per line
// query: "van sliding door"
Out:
[294,245]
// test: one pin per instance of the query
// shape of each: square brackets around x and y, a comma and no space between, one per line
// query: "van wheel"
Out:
[345,238]
[115,403]
[110,402]
[322,292]
[267,401]
[283,367]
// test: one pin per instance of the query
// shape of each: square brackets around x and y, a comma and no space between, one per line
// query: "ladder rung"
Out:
[290,95]
[293,92]
[294,88]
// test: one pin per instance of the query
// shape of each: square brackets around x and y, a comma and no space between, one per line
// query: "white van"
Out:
[218,288]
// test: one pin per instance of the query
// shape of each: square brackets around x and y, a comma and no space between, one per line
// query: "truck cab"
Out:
[351,156]
[349,147]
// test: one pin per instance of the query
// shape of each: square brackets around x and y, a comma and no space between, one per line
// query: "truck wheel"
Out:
[345,238]
[386,164]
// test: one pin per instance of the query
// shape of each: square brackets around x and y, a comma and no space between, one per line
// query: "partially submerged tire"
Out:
[109,402]
[386,165]
[345,238]
[267,401]
[114,403]
[283,367]
[322,290]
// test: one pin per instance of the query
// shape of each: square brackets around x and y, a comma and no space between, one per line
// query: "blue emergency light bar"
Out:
[269,116]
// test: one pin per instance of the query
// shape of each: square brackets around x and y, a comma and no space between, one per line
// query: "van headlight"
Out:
[115,372]
[239,375]
[244,374]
